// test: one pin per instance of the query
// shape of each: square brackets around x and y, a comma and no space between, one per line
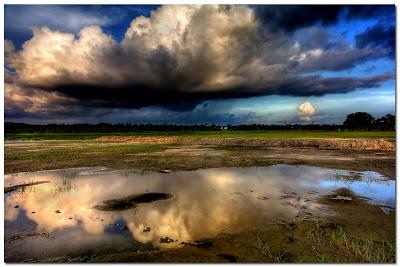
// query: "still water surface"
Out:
[59,218]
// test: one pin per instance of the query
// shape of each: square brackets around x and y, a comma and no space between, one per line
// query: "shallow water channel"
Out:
[68,215]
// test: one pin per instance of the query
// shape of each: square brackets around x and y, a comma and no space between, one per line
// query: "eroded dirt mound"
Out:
[342,144]
[140,139]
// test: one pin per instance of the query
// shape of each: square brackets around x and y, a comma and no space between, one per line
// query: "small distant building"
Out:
[224,128]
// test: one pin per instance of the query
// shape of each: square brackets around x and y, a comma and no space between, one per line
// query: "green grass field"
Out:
[77,152]
[222,134]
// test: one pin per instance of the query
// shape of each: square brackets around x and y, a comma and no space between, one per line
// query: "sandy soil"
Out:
[332,143]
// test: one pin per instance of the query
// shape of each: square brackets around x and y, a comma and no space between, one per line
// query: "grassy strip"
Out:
[221,134]
[78,152]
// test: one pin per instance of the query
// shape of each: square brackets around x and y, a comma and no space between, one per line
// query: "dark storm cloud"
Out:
[183,55]
[340,56]
[378,37]
[318,86]
[290,18]
[28,102]
[133,96]
[100,97]
[316,49]
[15,111]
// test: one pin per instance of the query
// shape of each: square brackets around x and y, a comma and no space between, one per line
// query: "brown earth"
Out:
[23,156]
[332,143]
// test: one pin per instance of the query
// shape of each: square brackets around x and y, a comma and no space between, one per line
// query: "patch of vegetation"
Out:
[366,249]
[22,187]
[329,238]
[31,235]
[66,184]
[276,256]
[129,172]
[76,152]
[271,134]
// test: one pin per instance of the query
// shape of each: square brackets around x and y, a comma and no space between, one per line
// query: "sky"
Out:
[193,64]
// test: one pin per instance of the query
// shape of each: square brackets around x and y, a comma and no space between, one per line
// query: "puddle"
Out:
[79,210]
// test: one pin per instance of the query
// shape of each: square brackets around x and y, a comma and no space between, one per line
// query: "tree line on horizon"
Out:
[354,121]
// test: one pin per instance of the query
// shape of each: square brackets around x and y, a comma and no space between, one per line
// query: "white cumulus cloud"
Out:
[306,111]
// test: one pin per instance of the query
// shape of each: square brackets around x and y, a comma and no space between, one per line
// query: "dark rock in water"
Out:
[16,207]
[166,240]
[203,244]
[228,257]
[146,229]
[131,201]
[57,211]
[342,195]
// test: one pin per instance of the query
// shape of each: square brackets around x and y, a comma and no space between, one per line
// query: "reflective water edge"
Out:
[59,216]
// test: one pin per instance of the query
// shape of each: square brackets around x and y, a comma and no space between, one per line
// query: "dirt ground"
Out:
[324,143]
[176,153]
[357,232]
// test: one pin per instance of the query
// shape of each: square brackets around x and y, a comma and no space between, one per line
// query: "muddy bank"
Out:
[333,143]
[193,157]
[9,189]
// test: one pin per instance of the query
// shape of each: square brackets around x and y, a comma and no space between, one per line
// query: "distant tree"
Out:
[359,121]
[386,123]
